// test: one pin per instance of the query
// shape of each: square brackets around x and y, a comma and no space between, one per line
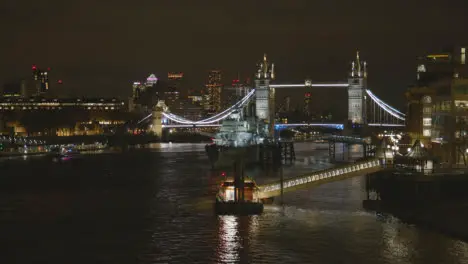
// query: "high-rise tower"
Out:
[356,91]
[40,80]
[172,94]
[212,96]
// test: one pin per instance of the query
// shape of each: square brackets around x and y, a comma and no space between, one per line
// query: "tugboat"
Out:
[238,195]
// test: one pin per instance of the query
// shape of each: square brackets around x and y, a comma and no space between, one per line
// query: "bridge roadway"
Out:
[319,177]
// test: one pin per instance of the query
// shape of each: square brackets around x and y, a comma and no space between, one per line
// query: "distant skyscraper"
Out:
[212,94]
[44,82]
[138,88]
[151,80]
[172,95]
[41,80]
[35,72]
[141,98]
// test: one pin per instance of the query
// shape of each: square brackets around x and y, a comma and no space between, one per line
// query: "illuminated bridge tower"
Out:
[265,96]
[357,81]
[156,124]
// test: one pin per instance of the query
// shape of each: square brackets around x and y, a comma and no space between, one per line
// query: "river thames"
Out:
[154,205]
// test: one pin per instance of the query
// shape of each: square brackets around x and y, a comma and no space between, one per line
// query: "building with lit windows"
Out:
[41,80]
[32,104]
[62,117]
[171,95]
[212,93]
[438,103]
[142,94]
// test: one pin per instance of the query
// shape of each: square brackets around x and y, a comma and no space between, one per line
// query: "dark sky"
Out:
[100,47]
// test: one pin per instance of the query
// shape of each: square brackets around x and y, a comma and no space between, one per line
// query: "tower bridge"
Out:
[364,107]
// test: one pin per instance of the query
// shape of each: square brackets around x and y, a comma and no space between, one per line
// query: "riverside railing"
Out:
[320,175]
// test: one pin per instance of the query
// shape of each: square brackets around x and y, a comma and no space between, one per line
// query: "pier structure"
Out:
[347,141]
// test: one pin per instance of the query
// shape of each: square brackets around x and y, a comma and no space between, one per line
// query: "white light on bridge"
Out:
[386,125]
[309,83]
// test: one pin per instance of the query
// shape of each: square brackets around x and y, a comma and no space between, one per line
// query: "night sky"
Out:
[99,47]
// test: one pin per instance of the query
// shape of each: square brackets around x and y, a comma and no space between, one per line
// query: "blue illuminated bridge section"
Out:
[328,125]
[277,126]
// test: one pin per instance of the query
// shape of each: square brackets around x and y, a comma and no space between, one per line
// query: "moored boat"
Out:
[238,197]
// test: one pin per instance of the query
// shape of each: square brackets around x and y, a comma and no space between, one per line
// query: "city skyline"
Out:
[102,54]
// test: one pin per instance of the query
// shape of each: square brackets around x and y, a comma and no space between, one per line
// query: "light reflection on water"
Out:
[105,215]
[229,240]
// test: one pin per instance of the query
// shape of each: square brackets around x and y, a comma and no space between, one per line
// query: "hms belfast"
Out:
[249,130]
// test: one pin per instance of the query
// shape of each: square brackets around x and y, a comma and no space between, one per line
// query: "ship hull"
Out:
[225,157]
[238,208]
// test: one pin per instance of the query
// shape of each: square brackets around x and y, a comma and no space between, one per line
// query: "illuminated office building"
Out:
[212,93]
[40,79]
[172,93]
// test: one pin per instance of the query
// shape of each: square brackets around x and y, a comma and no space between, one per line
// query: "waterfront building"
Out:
[36,103]
[438,104]
[62,117]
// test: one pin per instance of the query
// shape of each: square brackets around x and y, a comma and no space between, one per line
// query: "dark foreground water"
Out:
[154,206]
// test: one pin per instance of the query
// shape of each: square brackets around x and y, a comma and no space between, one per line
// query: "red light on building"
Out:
[307,94]
[223,173]
[59,81]
[48,69]
[34,67]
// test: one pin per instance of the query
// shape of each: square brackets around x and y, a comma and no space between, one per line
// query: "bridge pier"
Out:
[331,150]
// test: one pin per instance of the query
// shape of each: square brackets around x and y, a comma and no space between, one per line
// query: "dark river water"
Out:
[154,205]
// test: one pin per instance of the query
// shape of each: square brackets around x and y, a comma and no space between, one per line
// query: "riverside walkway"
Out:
[319,177]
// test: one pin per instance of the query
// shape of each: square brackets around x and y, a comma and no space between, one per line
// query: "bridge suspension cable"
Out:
[210,120]
[378,99]
[388,109]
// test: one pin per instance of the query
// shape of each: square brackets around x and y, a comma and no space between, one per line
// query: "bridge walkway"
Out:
[319,177]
